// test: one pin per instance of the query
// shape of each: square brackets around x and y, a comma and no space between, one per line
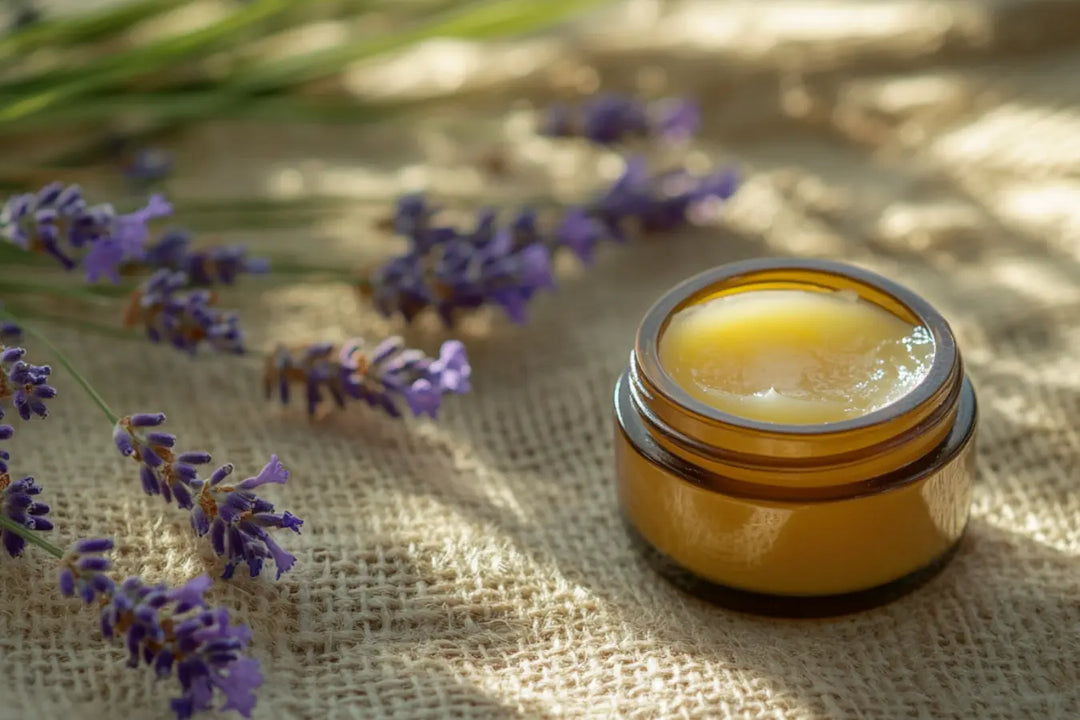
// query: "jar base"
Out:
[785,606]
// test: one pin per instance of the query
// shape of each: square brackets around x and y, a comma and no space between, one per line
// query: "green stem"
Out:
[180,106]
[30,536]
[68,365]
[53,290]
[475,20]
[67,320]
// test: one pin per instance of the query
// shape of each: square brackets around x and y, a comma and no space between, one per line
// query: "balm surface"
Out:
[794,356]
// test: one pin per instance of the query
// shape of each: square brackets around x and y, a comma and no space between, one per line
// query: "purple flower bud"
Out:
[147,419]
[580,232]
[161,439]
[94,545]
[93,563]
[609,119]
[67,582]
[221,473]
[18,505]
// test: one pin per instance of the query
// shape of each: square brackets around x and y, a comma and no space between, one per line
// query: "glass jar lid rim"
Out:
[745,272]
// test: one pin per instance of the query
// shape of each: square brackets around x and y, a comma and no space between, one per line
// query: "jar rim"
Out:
[743,272]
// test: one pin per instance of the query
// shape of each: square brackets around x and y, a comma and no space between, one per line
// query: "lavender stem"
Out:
[30,536]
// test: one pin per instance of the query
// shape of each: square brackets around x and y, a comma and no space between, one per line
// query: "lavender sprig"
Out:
[168,629]
[57,221]
[236,519]
[610,118]
[388,376]
[18,503]
[203,266]
[23,384]
[452,270]
[183,318]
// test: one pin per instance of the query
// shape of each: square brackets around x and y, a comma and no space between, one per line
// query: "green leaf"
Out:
[141,61]
[82,28]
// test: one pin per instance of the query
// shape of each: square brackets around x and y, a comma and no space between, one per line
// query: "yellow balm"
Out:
[795,437]
[794,356]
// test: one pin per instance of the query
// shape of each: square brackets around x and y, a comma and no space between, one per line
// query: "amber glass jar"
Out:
[795,520]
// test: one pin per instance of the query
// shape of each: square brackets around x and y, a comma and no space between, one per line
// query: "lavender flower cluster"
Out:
[168,629]
[182,318]
[203,266]
[174,631]
[386,376]
[611,118]
[236,519]
[454,270]
[26,387]
[58,222]
[18,503]
[451,270]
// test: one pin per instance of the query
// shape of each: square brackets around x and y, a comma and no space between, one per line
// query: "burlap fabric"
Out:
[477,568]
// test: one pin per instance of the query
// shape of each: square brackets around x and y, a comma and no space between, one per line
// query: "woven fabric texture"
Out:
[476,567]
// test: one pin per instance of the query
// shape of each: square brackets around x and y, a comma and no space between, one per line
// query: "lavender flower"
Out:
[162,470]
[390,372]
[149,165]
[24,384]
[580,232]
[58,222]
[388,376]
[17,503]
[313,367]
[168,629]
[184,319]
[206,266]
[243,516]
[464,273]
[412,215]
[609,119]
[83,568]
[9,332]
[6,433]
[453,271]
[237,519]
